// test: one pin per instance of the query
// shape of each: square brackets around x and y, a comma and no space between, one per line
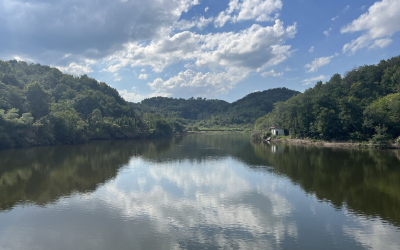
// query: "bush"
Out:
[381,137]
[267,134]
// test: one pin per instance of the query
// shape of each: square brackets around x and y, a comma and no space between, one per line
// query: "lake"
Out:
[217,191]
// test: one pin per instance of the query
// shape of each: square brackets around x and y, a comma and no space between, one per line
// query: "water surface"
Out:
[199,192]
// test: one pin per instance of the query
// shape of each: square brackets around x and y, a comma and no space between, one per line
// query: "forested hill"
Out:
[362,105]
[39,105]
[217,114]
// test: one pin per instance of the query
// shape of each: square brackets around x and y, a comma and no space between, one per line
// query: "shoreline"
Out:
[326,144]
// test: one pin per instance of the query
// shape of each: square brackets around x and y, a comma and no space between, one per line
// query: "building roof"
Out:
[276,128]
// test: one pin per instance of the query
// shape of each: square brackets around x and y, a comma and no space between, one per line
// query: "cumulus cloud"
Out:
[135,96]
[242,10]
[193,83]
[47,30]
[252,49]
[206,9]
[311,49]
[143,76]
[319,62]
[313,79]
[379,23]
[76,69]
[271,73]
[232,56]
[131,96]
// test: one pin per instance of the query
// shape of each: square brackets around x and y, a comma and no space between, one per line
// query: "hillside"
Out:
[211,114]
[362,105]
[40,105]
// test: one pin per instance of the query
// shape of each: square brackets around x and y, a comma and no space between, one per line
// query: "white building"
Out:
[277,131]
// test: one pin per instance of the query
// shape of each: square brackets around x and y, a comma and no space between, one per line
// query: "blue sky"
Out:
[221,49]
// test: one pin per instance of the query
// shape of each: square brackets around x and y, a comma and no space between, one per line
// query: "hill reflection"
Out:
[367,182]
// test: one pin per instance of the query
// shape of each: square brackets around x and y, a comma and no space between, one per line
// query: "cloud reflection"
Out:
[212,196]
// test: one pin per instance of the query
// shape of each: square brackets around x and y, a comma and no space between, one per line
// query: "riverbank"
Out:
[319,143]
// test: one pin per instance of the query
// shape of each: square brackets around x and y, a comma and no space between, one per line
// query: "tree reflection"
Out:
[367,182]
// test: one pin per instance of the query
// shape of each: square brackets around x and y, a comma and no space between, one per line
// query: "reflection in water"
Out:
[198,192]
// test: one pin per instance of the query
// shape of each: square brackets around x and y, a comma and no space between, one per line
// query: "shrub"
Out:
[381,137]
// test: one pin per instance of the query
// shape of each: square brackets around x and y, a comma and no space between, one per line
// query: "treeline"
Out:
[362,105]
[40,105]
[210,114]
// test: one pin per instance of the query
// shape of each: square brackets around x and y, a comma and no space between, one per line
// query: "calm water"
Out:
[199,192]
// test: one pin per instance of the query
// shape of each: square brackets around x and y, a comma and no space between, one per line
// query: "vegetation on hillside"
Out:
[210,114]
[362,105]
[39,105]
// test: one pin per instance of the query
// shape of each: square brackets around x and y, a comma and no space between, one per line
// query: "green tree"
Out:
[381,137]
[38,99]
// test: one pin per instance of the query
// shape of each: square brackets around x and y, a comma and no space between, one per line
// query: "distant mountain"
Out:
[243,111]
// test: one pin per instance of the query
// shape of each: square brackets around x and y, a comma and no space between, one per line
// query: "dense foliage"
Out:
[39,105]
[363,104]
[208,114]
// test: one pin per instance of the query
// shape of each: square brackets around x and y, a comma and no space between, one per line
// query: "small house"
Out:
[277,131]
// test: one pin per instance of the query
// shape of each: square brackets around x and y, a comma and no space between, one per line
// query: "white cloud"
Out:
[381,43]
[206,9]
[117,78]
[188,65]
[379,23]
[143,76]
[48,30]
[319,62]
[311,49]
[241,10]
[313,79]
[199,22]
[327,32]
[193,83]
[254,48]
[334,18]
[133,96]
[203,22]
[231,56]
[289,69]
[76,69]
[221,19]
[272,73]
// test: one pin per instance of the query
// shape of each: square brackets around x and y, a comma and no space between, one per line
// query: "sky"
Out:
[221,49]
